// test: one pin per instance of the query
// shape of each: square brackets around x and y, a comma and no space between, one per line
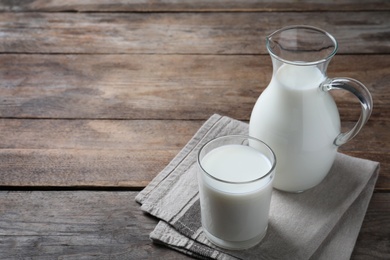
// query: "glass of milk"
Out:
[235,184]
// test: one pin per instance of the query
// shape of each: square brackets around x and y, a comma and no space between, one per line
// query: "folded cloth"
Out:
[320,223]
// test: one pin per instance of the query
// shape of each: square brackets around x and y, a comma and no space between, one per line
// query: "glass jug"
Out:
[296,115]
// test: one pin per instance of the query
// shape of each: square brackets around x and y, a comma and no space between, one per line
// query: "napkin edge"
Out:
[179,157]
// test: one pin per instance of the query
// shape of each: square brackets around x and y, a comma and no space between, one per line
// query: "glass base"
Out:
[235,245]
[290,191]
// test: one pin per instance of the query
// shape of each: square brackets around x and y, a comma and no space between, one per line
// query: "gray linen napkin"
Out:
[321,223]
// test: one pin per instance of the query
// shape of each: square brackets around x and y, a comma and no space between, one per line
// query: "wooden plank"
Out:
[76,225]
[142,135]
[81,168]
[82,153]
[374,239]
[182,33]
[107,168]
[110,225]
[190,5]
[163,86]
[121,153]
[137,135]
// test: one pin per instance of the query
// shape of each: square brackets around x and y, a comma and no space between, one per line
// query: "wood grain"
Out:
[163,86]
[142,135]
[137,135]
[103,94]
[182,33]
[76,225]
[124,153]
[110,225]
[88,153]
[374,239]
[191,6]
[81,168]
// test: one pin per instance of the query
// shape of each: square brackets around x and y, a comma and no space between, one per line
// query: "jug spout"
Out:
[301,45]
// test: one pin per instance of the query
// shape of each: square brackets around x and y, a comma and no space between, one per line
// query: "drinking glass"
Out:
[235,184]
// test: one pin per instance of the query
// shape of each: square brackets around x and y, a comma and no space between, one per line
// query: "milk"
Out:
[235,214]
[300,122]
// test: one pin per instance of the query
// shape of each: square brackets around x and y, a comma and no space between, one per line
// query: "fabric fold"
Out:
[321,223]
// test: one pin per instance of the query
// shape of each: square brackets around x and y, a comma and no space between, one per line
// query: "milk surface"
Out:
[236,163]
[300,122]
[235,212]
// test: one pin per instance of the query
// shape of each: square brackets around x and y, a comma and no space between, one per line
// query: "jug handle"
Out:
[361,92]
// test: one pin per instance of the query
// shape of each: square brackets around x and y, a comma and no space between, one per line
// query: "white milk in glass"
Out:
[235,214]
[300,122]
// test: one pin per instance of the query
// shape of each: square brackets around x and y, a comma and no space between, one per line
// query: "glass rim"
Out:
[302,63]
[246,137]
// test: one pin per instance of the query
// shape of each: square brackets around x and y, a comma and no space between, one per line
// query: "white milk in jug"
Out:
[300,122]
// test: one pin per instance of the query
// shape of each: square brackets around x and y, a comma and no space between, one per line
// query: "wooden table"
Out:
[97,97]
